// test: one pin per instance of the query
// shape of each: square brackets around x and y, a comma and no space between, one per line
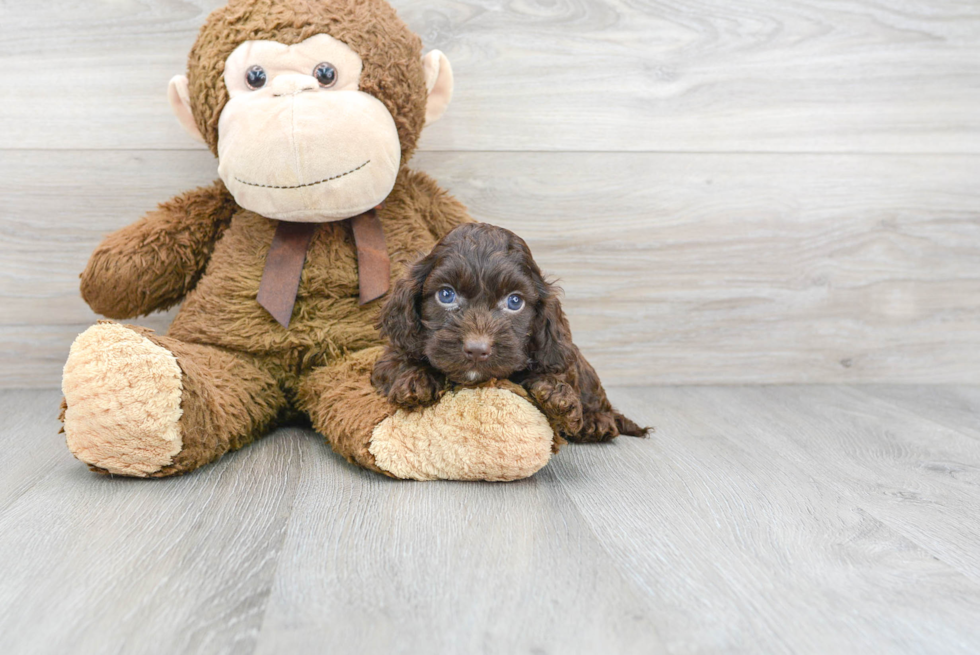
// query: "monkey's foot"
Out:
[123,401]
[485,433]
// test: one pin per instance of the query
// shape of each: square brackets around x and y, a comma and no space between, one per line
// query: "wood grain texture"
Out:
[744,547]
[30,441]
[637,75]
[678,268]
[913,474]
[92,564]
[375,566]
[756,520]
[953,407]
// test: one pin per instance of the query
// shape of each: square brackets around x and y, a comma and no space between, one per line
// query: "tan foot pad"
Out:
[473,434]
[123,394]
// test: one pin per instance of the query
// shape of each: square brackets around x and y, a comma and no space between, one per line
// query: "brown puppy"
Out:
[477,307]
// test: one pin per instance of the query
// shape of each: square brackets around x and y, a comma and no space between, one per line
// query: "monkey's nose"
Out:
[292,84]
[477,349]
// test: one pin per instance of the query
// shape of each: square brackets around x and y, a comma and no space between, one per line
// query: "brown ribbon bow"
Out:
[287,255]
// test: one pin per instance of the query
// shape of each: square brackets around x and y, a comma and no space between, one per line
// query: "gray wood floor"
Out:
[796,519]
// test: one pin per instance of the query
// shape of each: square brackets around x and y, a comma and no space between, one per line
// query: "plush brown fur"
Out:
[508,448]
[152,264]
[241,368]
[242,371]
[483,265]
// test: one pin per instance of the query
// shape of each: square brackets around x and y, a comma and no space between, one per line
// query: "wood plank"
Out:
[371,565]
[801,76]
[747,548]
[92,564]
[677,268]
[918,477]
[744,526]
[30,439]
[954,407]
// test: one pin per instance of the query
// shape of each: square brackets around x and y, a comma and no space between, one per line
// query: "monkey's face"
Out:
[297,140]
[312,115]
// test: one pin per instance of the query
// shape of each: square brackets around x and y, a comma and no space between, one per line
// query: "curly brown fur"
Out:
[405,384]
[560,401]
[453,319]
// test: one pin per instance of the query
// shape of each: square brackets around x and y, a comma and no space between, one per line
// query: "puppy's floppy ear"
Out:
[400,320]
[551,337]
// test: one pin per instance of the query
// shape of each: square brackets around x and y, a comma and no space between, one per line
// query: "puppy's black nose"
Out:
[477,350]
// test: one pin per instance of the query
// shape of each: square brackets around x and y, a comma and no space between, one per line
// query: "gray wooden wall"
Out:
[760,191]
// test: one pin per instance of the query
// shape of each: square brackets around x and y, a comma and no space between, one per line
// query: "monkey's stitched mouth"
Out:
[301,186]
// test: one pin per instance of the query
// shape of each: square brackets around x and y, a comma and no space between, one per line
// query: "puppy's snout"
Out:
[477,349]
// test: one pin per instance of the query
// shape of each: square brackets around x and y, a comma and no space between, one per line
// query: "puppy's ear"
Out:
[551,337]
[400,320]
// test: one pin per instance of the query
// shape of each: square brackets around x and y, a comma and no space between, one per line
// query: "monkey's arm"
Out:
[151,264]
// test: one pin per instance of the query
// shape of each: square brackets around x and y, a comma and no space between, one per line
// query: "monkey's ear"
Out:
[180,102]
[438,83]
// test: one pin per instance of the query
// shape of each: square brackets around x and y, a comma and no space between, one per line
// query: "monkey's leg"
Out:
[488,433]
[142,405]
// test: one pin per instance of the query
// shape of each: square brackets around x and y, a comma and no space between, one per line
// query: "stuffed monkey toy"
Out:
[313,109]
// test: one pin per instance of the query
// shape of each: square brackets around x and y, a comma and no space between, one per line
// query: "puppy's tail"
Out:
[629,428]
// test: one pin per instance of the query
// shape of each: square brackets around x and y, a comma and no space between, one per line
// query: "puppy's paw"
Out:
[560,402]
[598,426]
[414,388]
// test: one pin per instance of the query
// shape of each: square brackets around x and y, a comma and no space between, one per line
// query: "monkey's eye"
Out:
[446,296]
[325,74]
[255,77]
[514,302]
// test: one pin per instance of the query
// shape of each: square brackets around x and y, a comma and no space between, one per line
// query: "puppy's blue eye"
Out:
[446,296]
[514,302]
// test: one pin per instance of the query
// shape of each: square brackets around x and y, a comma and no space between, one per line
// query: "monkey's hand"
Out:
[153,263]
[558,400]
[406,384]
